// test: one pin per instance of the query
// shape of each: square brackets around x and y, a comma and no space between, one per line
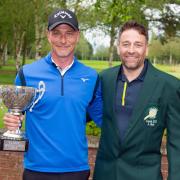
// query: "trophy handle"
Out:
[40,91]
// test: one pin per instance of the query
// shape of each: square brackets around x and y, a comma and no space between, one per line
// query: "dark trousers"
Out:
[33,175]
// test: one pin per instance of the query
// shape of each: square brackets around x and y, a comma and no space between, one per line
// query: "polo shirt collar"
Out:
[141,76]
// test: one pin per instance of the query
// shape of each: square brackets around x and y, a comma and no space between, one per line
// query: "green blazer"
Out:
[138,156]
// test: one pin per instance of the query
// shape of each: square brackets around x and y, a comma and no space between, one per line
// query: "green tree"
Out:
[84,49]
[171,51]
[165,15]
[18,18]
[155,50]
[165,53]
[102,53]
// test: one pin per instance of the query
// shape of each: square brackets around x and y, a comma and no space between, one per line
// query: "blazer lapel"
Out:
[150,82]
[112,86]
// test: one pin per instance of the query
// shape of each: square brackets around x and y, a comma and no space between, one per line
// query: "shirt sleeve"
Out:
[17,81]
[95,108]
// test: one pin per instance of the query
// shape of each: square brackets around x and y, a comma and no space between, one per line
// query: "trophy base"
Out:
[13,144]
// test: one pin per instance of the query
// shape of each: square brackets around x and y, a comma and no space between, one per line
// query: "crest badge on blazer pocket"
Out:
[151,116]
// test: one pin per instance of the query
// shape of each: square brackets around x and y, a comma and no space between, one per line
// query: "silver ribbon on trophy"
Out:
[18,99]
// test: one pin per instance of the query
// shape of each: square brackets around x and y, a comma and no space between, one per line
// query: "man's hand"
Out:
[12,122]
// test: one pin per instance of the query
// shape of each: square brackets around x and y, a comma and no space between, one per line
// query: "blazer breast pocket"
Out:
[151,116]
[153,124]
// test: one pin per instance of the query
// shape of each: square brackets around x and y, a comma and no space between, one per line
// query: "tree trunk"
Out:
[37,31]
[111,48]
[5,55]
[19,44]
[154,61]
[39,25]
[170,59]
[1,53]
[24,51]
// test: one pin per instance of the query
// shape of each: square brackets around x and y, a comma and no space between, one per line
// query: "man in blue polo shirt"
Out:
[56,126]
[139,102]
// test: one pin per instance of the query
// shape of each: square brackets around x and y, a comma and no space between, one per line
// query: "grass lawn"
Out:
[7,74]
[99,65]
[2,111]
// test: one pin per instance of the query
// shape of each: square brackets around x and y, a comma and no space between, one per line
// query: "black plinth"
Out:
[13,144]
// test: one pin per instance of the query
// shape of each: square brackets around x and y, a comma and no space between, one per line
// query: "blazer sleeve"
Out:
[173,133]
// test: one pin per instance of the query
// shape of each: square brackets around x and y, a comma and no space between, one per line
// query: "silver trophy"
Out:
[18,99]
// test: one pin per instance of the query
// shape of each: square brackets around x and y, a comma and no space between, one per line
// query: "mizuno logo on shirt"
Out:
[84,79]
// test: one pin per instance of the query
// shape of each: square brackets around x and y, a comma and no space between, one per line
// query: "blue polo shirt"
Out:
[126,97]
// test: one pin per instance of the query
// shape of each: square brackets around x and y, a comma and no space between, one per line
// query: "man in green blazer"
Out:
[139,103]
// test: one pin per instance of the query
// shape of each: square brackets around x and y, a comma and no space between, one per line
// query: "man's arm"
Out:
[173,134]
[95,108]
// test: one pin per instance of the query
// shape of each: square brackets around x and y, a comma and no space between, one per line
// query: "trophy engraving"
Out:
[18,99]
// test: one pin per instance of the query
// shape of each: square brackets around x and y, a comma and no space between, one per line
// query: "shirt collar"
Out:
[141,76]
[62,71]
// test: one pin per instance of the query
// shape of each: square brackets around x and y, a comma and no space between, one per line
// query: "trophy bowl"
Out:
[17,99]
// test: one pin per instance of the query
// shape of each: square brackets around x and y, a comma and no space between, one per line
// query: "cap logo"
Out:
[62,14]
